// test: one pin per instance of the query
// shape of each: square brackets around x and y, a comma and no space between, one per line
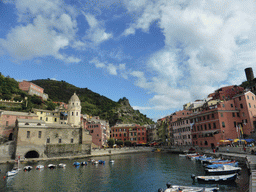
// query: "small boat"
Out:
[62,165]
[27,168]
[95,162]
[51,166]
[38,167]
[83,163]
[214,166]
[215,178]
[91,160]
[223,162]
[224,170]
[14,171]
[101,162]
[111,161]
[76,163]
[182,188]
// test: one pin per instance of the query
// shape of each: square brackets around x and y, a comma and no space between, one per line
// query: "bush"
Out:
[127,143]
[119,142]
[111,142]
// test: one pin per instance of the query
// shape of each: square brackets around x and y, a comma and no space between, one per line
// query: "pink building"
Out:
[7,122]
[235,118]
[33,89]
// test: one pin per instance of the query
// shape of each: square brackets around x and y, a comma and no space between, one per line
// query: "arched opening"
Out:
[32,154]
[10,137]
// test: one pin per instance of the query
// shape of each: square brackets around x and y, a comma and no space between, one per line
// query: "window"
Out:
[214,125]
[234,124]
[252,98]
[72,113]
[223,105]
[241,106]
[55,119]
[250,105]
[221,114]
[209,125]
[208,116]
[59,140]
[247,96]
[28,134]
[233,114]
[39,134]
[41,118]
[91,131]
[46,119]
[231,105]
[239,98]
[72,140]
[213,116]
[7,123]
[124,134]
[237,114]
[205,127]
[76,113]
[223,124]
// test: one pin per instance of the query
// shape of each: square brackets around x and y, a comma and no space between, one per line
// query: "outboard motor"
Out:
[160,190]
[168,185]
[193,177]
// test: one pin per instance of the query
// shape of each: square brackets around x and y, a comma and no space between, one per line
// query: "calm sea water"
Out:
[130,173]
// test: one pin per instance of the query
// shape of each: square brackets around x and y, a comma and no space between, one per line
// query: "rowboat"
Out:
[51,166]
[38,167]
[214,166]
[224,170]
[182,188]
[62,165]
[27,168]
[215,178]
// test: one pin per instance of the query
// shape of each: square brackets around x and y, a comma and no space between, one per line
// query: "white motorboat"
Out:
[14,171]
[38,167]
[175,188]
[111,161]
[27,168]
[224,170]
[62,165]
[215,178]
[51,166]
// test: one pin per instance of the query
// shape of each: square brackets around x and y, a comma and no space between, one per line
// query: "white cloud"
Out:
[45,30]
[97,32]
[111,68]
[207,45]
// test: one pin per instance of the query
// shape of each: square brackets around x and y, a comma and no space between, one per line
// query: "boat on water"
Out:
[14,171]
[52,166]
[101,162]
[224,170]
[214,166]
[76,163]
[215,178]
[111,161]
[27,168]
[223,162]
[91,160]
[62,165]
[183,188]
[83,163]
[38,167]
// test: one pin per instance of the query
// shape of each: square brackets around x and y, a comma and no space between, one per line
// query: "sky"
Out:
[159,54]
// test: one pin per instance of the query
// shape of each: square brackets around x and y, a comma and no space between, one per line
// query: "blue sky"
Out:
[160,54]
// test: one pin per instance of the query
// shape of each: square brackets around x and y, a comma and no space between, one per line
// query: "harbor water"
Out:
[129,173]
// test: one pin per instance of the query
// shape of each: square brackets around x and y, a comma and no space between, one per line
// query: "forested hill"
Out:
[93,103]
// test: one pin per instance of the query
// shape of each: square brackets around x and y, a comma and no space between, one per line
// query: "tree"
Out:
[127,143]
[111,142]
[51,105]
[119,142]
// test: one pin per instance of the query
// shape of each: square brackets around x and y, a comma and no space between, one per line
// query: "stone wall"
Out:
[62,150]
[7,150]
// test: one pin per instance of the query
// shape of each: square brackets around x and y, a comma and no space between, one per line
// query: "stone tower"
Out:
[249,74]
[74,111]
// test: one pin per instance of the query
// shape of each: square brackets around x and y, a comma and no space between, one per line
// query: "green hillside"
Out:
[93,103]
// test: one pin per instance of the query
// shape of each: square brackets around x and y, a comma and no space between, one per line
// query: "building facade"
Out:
[33,89]
[135,133]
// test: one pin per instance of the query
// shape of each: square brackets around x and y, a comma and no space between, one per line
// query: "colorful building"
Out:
[135,133]
[33,89]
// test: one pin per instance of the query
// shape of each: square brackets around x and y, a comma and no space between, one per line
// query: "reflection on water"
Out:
[130,172]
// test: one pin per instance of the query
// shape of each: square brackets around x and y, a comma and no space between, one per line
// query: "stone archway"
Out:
[10,137]
[32,154]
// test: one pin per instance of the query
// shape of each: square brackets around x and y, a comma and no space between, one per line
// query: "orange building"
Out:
[131,132]
[33,89]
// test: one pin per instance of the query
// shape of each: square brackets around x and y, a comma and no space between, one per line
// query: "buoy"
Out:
[4,177]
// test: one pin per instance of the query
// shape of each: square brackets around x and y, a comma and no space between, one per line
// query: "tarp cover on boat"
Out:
[249,140]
